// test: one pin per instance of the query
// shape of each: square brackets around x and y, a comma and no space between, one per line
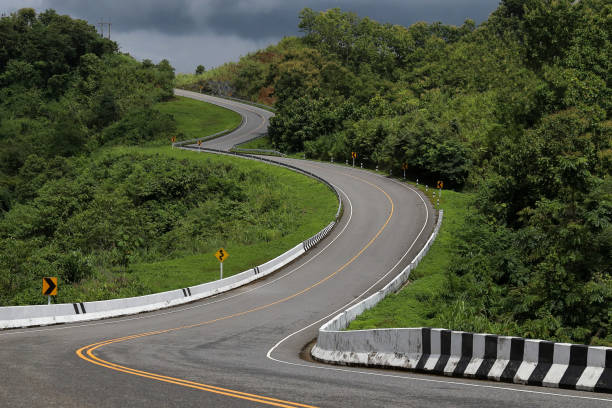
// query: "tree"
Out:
[200,70]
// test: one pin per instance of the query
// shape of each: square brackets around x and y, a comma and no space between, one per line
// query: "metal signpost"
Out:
[354,156]
[49,288]
[404,167]
[221,255]
[199,145]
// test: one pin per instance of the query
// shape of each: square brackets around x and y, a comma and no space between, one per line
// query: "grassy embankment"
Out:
[412,306]
[309,205]
[253,210]
[314,205]
[196,119]
[259,143]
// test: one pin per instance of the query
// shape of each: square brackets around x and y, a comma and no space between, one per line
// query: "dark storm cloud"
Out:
[170,17]
[212,32]
[283,19]
[263,18]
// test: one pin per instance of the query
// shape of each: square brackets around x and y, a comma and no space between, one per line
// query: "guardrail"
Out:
[268,152]
[203,139]
[42,315]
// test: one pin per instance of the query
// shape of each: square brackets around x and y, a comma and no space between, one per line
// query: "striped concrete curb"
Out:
[473,355]
[311,242]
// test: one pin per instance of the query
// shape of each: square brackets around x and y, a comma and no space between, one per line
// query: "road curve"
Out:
[241,348]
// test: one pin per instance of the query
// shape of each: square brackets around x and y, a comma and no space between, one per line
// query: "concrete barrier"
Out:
[42,315]
[474,355]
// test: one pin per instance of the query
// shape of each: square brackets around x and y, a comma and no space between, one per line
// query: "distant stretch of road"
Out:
[242,348]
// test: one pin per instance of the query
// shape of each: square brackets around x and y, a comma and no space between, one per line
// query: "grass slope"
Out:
[196,119]
[313,206]
[259,143]
[312,202]
[412,306]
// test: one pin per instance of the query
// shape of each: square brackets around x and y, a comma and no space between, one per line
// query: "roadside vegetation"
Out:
[91,190]
[196,120]
[515,111]
[259,143]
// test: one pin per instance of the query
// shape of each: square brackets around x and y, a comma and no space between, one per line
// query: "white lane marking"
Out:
[431,380]
[150,316]
[405,377]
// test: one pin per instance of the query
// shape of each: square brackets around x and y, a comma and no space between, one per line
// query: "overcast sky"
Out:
[211,32]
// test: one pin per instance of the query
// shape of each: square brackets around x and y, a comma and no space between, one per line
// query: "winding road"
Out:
[243,348]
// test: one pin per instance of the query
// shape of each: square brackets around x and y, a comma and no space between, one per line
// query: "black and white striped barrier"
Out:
[314,240]
[462,354]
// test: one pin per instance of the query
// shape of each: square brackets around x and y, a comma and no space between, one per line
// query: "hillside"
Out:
[515,110]
[92,192]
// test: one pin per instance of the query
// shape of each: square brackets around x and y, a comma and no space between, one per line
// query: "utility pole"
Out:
[103,23]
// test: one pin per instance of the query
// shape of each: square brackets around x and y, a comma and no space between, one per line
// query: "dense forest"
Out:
[82,199]
[64,93]
[515,109]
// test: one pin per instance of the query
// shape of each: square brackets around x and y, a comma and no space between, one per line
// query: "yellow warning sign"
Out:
[440,184]
[49,286]
[221,255]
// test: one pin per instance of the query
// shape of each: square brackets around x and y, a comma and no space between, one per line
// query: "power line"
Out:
[103,23]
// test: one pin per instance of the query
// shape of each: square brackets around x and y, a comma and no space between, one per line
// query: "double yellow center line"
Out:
[87,352]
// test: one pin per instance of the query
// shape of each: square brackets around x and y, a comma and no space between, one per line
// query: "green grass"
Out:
[306,206]
[315,203]
[196,119]
[411,306]
[261,146]
[263,142]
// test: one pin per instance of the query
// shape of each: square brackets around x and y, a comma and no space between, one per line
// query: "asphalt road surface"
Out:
[242,348]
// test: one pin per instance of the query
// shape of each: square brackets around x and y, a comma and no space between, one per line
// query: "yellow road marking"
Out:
[92,358]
